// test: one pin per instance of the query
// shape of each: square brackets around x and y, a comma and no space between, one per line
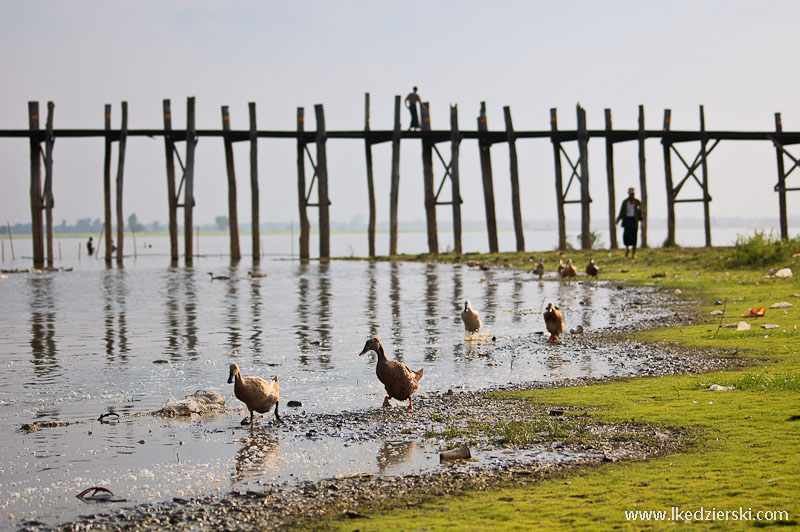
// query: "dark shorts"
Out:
[630,230]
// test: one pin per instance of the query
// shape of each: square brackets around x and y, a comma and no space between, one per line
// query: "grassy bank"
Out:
[744,446]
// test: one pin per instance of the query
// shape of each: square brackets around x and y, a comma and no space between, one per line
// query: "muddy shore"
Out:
[561,439]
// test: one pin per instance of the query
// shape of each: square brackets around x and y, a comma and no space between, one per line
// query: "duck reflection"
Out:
[43,328]
[258,455]
[392,453]
[115,293]
[431,309]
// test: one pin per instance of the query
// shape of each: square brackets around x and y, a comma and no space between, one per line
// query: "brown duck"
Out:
[539,270]
[471,318]
[259,395]
[569,271]
[554,321]
[591,269]
[399,380]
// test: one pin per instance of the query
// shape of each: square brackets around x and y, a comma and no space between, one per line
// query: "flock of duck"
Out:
[400,382]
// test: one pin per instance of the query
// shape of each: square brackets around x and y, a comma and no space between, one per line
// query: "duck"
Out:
[471,318]
[561,266]
[253,274]
[218,277]
[256,393]
[399,380]
[569,271]
[591,269]
[554,321]
[539,270]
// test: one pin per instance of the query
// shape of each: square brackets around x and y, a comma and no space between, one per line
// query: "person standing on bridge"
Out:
[631,215]
[411,102]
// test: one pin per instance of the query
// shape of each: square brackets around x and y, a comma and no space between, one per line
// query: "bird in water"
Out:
[539,270]
[259,395]
[400,382]
[218,277]
[554,321]
[561,266]
[253,274]
[591,269]
[569,271]
[471,318]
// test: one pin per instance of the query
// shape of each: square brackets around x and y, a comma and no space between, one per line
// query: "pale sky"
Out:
[738,58]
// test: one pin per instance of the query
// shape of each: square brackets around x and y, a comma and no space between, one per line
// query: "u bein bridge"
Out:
[42,201]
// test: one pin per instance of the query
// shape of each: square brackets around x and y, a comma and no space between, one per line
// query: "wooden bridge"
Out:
[41,192]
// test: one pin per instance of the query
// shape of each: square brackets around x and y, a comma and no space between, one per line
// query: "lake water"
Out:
[77,344]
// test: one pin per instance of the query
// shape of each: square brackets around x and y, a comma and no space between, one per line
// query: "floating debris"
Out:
[461,453]
[98,494]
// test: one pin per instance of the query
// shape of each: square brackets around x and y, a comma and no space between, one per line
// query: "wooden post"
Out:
[37,203]
[48,182]
[395,186]
[305,228]
[172,197]
[255,226]
[455,141]
[781,180]
[562,226]
[704,164]
[370,182]
[427,179]
[322,185]
[513,171]
[642,176]
[667,144]
[233,215]
[123,137]
[188,176]
[583,148]
[484,147]
[612,199]
[107,188]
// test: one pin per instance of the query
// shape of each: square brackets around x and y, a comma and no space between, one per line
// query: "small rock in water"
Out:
[718,388]
[782,304]
[770,326]
[784,272]
[294,404]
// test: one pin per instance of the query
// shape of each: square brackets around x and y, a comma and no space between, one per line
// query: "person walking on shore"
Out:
[411,102]
[630,213]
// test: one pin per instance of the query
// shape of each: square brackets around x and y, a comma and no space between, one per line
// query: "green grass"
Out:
[743,446]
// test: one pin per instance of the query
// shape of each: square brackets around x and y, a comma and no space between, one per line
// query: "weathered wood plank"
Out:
[36,198]
[395,186]
[516,209]
[704,165]
[484,148]
[322,185]
[562,226]
[255,217]
[667,145]
[642,175]
[612,197]
[370,180]
[123,138]
[305,228]
[455,141]
[427,180]
[172,197]
[48,182]
[188,193]
[583,148]
[230,168]
[784,223]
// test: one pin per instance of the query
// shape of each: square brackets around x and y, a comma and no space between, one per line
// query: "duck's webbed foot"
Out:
[409,404]
[277,417]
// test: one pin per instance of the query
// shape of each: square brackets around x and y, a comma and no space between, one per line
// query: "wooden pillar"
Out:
[370,182]
[172,197]
[48,182]
[511,138]
[612,198]
[322,185]
[427,180]
[255,226]
[37,203]
[233,215]
[455,141]
[305,228]
[642,176]
[583,149]
[484,148]
[781,180]
[395,187]
[188,177]
[704,165]
[123,137]
[562,226]
[107,220]
[667,144]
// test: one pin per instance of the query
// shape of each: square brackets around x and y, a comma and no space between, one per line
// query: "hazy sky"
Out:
[737,58]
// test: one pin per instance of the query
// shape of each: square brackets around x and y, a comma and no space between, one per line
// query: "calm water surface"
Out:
[76,344]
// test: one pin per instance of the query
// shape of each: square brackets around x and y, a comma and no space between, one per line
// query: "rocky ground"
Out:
[512,440]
